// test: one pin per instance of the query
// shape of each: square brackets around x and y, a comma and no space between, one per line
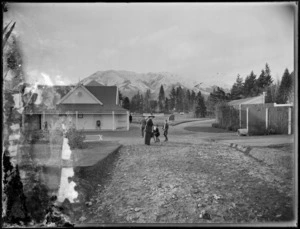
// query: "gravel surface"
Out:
[190,180]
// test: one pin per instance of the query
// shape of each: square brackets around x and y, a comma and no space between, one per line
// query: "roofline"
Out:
[250,99]
[84,88]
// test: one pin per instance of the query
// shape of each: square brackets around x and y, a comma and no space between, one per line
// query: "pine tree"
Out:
[264,80]
[167,101]
[186,106]
[237,88]
[161,99]
[126,103]
[272,92]
[217,96]
[141,103]
[292,92]
[285,87]
[153,106]
[179,99]
[172,99]
[200,110]
[250,89]
[135,105]
[193,100]
[146,101]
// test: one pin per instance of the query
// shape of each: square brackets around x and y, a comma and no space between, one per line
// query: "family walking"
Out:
[149,130]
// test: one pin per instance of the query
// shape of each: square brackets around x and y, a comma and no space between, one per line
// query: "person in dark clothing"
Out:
[130,118]
[148,130]
[156,133]
[143,125]
[165,129]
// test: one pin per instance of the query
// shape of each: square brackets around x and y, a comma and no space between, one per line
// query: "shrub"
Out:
[56,136]
[76,138]
[215,125]
[227,117]
[270,130]
[35,136]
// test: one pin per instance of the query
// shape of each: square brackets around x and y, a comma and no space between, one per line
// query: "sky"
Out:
[204,42]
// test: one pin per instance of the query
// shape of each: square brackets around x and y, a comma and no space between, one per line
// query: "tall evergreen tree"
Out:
[161,99]
[153,106]
[200,110]
[136,103]
[147,101]
[141,103]
[285,87]
[179,99]
[272,92]
[250,89]
[292,92]
[218,95]
[237,88]
[172,99]
[264,80]
[193,100]
[167,102]
[126,103]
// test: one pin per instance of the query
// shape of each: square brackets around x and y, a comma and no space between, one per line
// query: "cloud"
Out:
[162,34]
[181,52]
[56,44]
[41,78]
[107,53]
[47,79]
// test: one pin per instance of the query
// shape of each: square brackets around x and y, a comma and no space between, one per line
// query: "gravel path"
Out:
[189,180]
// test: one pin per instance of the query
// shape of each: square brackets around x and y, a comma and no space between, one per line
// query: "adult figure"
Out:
[143,125]
[148,130]
[165,129]
[130,118]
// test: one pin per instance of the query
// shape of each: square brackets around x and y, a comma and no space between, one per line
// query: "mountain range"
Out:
[130,82]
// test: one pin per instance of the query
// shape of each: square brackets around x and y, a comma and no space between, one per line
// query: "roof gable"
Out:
[106,94]
[80,95]
[93,83]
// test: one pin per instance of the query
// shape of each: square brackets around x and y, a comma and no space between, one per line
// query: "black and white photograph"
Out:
[149,114]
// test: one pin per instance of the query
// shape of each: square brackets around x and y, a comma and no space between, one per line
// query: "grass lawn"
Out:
[41,153]
[159,120]
[94,152]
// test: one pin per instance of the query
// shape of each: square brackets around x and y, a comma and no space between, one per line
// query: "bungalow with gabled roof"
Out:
[89,107]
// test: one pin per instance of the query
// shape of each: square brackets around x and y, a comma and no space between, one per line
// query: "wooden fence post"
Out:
[248,119]
[290,121]
[240,115]
[267,118]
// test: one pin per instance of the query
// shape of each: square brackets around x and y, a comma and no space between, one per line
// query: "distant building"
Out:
[89,107]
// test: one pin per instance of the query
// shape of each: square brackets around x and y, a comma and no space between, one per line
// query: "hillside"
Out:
[130,82]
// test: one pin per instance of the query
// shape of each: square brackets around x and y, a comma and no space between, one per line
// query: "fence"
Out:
[259,119]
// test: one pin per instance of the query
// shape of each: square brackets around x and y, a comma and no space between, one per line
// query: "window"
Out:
[80,115]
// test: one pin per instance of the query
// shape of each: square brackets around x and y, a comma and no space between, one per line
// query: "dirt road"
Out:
[190,180]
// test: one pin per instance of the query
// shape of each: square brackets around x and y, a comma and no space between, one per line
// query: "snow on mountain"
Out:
[130,82]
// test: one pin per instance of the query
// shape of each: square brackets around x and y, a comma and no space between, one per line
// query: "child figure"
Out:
[156,133]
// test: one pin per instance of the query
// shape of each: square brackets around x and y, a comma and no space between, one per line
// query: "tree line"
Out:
[185,100]
[276,92]
[179,100]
